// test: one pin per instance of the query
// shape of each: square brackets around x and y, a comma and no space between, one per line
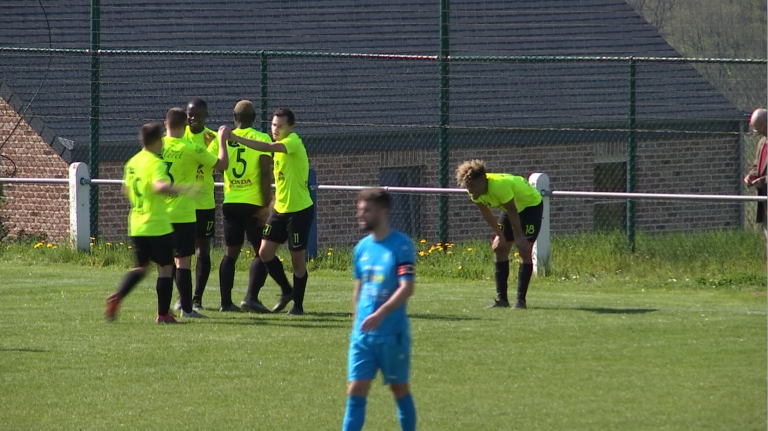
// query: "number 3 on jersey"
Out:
[168,170]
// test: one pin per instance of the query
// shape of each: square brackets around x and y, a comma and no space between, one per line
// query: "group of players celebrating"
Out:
[170,186]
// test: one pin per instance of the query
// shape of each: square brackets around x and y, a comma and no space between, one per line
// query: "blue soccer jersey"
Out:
[380,265]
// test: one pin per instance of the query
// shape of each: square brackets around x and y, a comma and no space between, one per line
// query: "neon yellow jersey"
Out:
[204,177]
[502,188]
[149,215]
[242,179]
[182,157]
[291,176]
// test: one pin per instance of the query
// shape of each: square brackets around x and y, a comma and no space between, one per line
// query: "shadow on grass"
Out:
[447,318]
[618,310]
[23,350]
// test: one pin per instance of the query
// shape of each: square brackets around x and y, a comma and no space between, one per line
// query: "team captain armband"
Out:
[406,269]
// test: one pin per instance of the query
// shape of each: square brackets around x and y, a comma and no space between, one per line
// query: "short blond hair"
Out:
[469,170]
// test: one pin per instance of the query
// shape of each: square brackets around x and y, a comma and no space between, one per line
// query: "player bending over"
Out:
[519,223]
[383,268]
[205,204]
[292,215]
[182,158]
[247,195]
[149,223]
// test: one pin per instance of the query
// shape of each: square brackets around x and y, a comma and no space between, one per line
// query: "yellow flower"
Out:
[55,247]
[312,260]
[421,253]
[101,248]
[329,253]
[449,245]
[38,245]
[247,252]
[49,245]
[439,244]
[517,254]
[8,247]
[423,241]
[330,249]
[469,249]
[449,252]
[282,260]
[122,243]
[109,244]
[93,238]
[460,267]
[130,247]
[91,244]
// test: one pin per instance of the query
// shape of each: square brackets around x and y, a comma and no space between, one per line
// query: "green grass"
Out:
[591,354]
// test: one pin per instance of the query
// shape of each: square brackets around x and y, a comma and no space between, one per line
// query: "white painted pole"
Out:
[541,247]
[79,206]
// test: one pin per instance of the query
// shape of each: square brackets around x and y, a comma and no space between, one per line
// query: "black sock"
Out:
[202,271]
[257,278]
[276,271]
[226,280]
[184,284]
[299,286]
[164,289]
[523,279]
[502,275]
[131,279]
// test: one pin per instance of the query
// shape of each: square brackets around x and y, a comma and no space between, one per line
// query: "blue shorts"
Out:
[370,353]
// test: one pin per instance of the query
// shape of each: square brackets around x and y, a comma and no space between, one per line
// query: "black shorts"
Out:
[241,220]
[205,223]
[158,249]
[184,238]
[291,227]
[530,222]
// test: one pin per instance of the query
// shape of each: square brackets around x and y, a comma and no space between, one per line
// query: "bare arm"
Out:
[223,158]
[404,291]
[266,147]
[490,219]
[355,298]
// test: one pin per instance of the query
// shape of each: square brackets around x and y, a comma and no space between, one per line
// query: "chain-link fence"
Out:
[394,94]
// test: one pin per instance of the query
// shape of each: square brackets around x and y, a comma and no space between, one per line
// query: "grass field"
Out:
[592,354]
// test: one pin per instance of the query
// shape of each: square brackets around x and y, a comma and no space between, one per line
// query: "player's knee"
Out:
[203,248]
[233,251]
[501,253]
[266,251]
[358,388]
[399,390]
[297,260]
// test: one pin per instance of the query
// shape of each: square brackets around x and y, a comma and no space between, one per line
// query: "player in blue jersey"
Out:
[381,338]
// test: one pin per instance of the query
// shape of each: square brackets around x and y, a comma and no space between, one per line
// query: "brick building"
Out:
[369,122]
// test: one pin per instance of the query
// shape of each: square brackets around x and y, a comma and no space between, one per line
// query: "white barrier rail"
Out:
[79,191]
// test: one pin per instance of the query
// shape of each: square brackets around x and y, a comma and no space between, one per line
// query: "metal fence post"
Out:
[312,243]
[542,246]
[79,206]
[444,102]
[263,94]
[95,126]
[631,153]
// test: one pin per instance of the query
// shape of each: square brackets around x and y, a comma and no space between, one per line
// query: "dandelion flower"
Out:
[55,247]
[330,249]
[38,245]
[517,254]
[101,248]
[247,252]
[49,245]
[330,254]
[130,247]
[282,260]
[423,241]
[93,238]
[469,249]
[122,243]
[460,267]
[91,244]
[448,252]
[109,244]
[421,253]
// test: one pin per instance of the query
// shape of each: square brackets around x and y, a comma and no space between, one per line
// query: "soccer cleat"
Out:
[295,311]
[499,303]
[113,303]
[197,305]
[177,305]
[231,308]
[520,305]
[166,318]
[192,315]
[284,300]
[248,306]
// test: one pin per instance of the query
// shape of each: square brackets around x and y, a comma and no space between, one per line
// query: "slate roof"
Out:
[336,96]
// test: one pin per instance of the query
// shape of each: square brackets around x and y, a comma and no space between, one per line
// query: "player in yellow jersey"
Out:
[294,211]
[149,224]
[182,157]
[519,223]
[247,195]
[205,204]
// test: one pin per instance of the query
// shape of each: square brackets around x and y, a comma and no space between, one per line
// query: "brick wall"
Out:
[32,208]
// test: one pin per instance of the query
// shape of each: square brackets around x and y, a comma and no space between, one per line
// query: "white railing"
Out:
[79,182]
